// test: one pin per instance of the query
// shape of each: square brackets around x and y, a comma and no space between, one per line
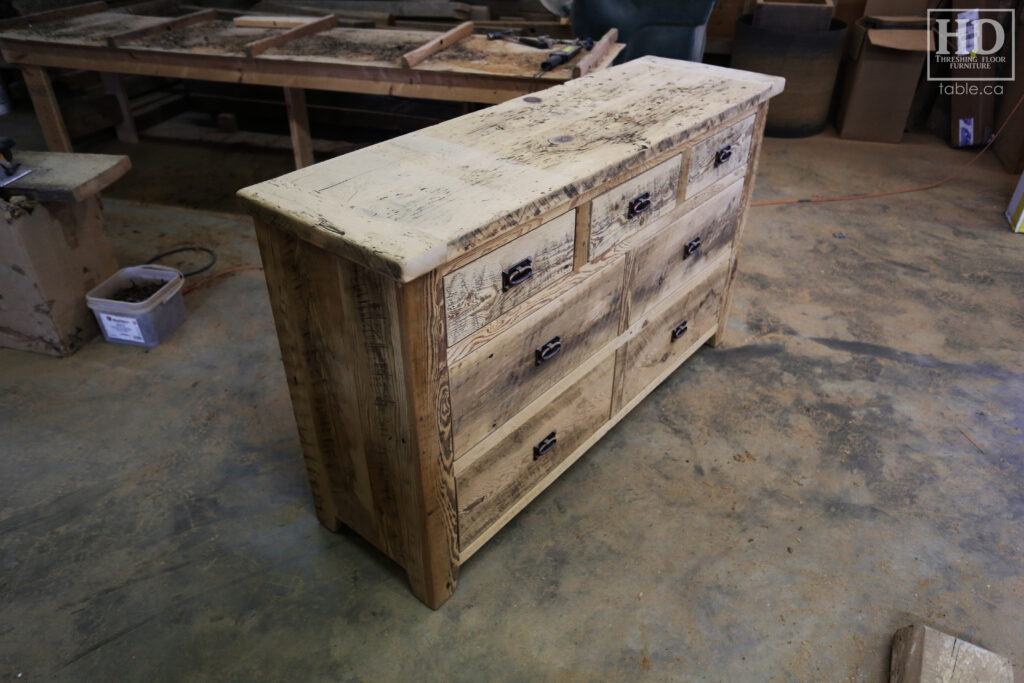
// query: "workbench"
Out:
[307,53]
[54,249]
[463,311]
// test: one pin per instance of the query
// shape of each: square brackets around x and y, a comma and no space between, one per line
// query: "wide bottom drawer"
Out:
[492,483]
[669,335]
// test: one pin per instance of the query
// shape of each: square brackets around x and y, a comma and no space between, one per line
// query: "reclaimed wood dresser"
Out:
[465,310]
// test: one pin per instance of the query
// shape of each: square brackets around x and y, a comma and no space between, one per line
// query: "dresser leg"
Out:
[431,593]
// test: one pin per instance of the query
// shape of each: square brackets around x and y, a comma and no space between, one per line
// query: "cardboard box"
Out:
[972,114]
[883,65]
[1009,146]
[1015,211]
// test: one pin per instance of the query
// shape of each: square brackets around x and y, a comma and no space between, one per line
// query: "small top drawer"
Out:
[719,155]
[482,290]
[624,209]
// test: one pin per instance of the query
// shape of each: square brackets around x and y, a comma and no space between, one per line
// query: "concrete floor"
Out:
[848,463]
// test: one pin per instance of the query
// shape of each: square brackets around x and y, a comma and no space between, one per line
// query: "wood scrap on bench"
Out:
[309,28]
[414,57]
[55,14]
[597,53]
[171,24]
[411,9]
[346,17]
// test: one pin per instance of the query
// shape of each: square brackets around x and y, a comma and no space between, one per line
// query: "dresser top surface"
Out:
[409,205]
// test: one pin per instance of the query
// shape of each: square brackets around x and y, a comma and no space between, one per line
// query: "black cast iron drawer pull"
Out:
[516,274]
[679,330]
[692,247]
[723,155]
[548,350]
[545,445]
[638,205]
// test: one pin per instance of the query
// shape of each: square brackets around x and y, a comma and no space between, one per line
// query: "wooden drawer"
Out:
[482,290]
[669,337]
[499,478]
[626,208]
[499,378]
[719,155]
[666,260]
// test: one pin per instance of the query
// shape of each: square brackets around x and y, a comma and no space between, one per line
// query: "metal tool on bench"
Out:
[10,170]
[565,53]
[540,42]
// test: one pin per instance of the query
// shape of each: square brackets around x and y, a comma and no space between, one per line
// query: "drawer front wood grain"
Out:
[501,476]
[669,258]
[667,337]
[626,208]
[498,379]
[719,155]
[482,290]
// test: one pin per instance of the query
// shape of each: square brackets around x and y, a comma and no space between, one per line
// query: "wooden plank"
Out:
[126,131]
[553,29]
[499,378]
[260,21]
[748,191]
[171,24]
[309,28]
[592,59]
[345,17]
[503,184]
[414,57]
[432,542]
[400,8]
[612,215]
[921,654]
[61,177]
[298,124]
[54,15]
[475,293]
[150,7]
[493,481]
[47,109]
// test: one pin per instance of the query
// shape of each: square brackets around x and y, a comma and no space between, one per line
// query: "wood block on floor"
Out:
[923,655]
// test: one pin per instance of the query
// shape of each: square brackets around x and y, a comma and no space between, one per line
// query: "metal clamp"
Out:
[548,350]
[545,445]
[679,330]
[638,205]
[516,274]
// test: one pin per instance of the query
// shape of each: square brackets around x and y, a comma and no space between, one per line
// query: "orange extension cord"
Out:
[780,202]
[938,183]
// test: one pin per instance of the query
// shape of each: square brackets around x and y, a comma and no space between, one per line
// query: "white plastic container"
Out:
[146,323]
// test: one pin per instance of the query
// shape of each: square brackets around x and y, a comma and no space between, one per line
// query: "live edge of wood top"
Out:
[409,205]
